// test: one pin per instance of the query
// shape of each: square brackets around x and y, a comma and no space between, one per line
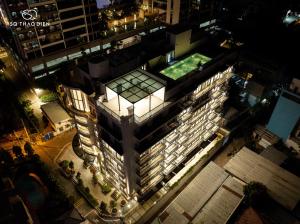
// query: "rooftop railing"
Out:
[137,119]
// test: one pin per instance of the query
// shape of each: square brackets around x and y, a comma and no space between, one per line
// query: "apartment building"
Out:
[285,119]
[180,11]
[54,32]
[58,25]
[143,126]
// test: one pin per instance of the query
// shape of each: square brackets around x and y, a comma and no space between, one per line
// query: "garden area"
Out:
[89,183]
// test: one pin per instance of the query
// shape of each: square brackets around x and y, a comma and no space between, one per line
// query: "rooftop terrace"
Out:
[185,66]
[134,86]
[136,93]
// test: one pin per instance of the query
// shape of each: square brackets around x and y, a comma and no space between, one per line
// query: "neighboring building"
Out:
[256,92]
[180,11]
[59,119]
[142,127]
[69,24]
[282,185]
[211,197]
[285,119]
[71,29]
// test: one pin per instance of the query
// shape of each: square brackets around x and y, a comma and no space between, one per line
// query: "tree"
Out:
[5,157]
[28,149]
[64,164]
[17,150]
[95,178]
[112,203]
[123,203]
[105,188]
[80,182]
[103,207]
[2,65]
[255,194]
[114,211]
[71,165]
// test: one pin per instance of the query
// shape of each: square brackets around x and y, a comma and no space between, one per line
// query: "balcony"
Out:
[152,152]
[150,164]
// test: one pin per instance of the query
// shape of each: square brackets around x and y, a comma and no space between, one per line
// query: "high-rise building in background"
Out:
[181,11]
[67,24]
[68,30]
[142,121]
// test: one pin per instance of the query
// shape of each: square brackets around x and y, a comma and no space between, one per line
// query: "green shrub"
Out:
[64,164]
[48,97]
[103,207]
[105,188]
[113,203]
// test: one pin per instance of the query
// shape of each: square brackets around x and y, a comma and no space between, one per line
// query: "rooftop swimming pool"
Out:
[185,66]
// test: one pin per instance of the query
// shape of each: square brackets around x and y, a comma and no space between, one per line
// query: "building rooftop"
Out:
[55,112]
[285,115]
[211,197]
[282,185]
[185,66]
[274,155]
[135,86]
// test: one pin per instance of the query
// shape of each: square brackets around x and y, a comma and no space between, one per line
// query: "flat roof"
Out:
[222,204]
[55,112]
[211,197]
[135,85]
[274,155]
[285,115]
[185,66]
[282,185]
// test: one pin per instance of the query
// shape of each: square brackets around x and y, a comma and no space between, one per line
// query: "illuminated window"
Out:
[80,101]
